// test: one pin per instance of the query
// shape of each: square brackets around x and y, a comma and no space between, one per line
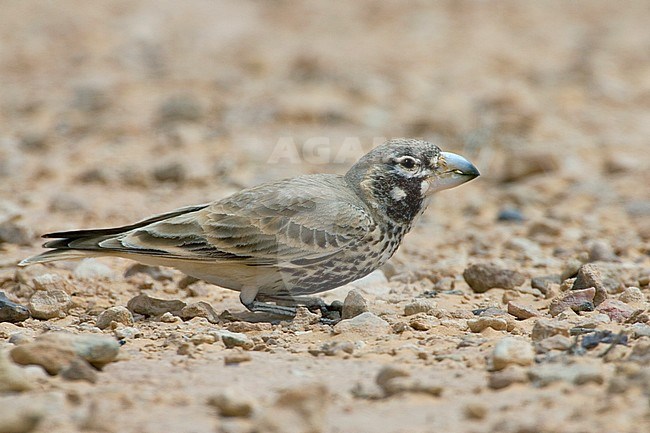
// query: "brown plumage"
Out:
[283,240]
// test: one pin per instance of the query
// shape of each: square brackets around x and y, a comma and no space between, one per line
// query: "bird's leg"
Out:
[248,297]
[278,310]
[286,305]
[332,311]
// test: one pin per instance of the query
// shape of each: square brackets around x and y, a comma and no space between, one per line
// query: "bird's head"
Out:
[398,177]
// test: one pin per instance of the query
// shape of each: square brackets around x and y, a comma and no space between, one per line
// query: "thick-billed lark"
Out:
[281,241]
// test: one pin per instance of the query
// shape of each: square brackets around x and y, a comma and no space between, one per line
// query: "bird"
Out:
[279,243]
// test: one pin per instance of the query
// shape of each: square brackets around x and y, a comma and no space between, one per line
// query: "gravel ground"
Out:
[518,304]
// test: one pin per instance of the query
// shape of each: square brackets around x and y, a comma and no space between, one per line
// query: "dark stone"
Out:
[12,312]
[589,276]
[148,306]
[544,282]
[482,277]
[510,214]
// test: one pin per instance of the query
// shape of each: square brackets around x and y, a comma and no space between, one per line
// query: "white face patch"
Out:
[397,193]
[424,187]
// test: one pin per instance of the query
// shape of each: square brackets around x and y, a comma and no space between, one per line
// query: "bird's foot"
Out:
[330,313]
[277,310]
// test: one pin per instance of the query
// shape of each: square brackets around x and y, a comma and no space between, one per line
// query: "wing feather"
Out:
[296,221]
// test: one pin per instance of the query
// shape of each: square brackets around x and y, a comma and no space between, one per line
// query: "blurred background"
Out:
[112,111]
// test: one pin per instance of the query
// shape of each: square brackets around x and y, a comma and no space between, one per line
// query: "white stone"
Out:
[512,350]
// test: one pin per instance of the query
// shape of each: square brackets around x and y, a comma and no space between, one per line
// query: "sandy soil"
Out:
[113,111]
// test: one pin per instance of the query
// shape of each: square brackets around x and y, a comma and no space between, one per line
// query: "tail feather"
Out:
[78,244]
[54,255]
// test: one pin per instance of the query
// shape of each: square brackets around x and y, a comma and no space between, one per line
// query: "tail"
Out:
[78,244]
[54,255]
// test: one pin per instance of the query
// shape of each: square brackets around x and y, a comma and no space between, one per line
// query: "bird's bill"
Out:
[453,170]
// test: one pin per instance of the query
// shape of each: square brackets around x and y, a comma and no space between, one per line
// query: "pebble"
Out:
[202,338]
[98,175]
[180,108]
[90,98]
[15,233]
[18,417]
[34,141]
[556,342]
[522,164]
[91,269]
[366,324]
[394,380]
[170,318]
[482,323]
[52,282]
[54,351]
[27,274]
[522,311]
[545,328]
[234,339]
[506,377]
[66,203]
[303,319]
[9,211]
[620,163]
[174,172]
[545,229]
[249,327]
[544,283]
[589,276]
[576,300]
[79,369]
[20,337]
[186,282]
[12,312]
[353,305]
[510,214]
[230,403]
[577,374]
[570,269]
[49,304]
[386,375]
[484,276]
[640,330]
[601,251]
[97,349]
[476,411]
[512,350]
[155,272]
[644,280]
[148,306]
[53,359]
[236,358]
[526,248]
[632,295]
[300,409]
[118,314]
[334,348]
[419,306]
[616,310]
[199,309]
[127,332]
[12,377]
[641,352]
[423,322]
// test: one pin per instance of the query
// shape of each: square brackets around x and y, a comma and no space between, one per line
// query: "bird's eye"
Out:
[408,162]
